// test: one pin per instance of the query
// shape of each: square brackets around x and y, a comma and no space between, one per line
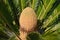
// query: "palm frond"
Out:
[48,17]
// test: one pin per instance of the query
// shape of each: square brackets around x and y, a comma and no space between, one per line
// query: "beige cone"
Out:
[28,21]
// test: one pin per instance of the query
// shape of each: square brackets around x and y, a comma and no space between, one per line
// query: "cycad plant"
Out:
[47,22]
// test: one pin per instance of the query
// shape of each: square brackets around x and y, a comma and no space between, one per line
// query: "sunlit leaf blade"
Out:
[46,2]
[53,33]
[52,17]
[39,7]
[53,29]
[44,11]
[23,4]
[34,4]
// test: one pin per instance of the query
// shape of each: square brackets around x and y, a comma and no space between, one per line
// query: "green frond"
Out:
[48,17]
[44,10]
[52,17]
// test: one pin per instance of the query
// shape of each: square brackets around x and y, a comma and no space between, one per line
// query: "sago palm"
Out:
[43,17]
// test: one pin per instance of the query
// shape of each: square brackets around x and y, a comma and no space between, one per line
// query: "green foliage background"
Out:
[48,16]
